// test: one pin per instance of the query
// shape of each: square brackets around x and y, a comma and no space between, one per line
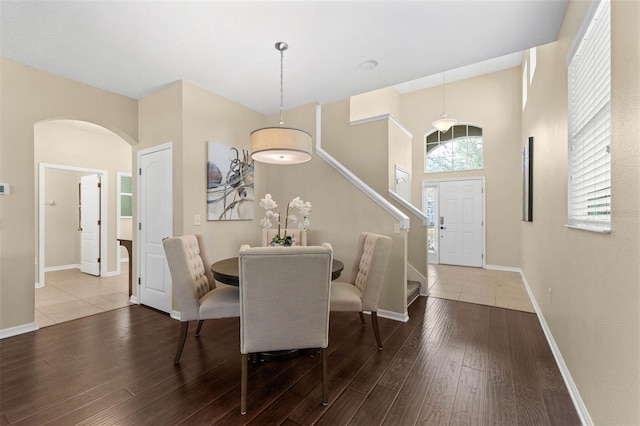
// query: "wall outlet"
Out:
[196,220]
[396,228]
[549,295]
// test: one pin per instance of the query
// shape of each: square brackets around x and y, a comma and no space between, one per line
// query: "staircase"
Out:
[413,291]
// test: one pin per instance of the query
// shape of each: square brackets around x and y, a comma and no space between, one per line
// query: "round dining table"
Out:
[226,270]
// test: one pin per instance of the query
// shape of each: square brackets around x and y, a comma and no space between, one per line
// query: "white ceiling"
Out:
[136,47]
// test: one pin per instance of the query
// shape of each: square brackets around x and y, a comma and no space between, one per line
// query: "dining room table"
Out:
[226,270]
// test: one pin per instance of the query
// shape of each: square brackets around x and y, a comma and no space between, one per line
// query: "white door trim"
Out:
[104,175]
[436,182]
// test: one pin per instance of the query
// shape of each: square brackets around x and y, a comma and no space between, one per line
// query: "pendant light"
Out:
[443,123]
[281,145]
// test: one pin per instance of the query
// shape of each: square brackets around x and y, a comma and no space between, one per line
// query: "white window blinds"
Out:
[589,81]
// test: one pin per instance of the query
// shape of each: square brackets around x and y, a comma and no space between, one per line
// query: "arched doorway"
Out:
[65,151]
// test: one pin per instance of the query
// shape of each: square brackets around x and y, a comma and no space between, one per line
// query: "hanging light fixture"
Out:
[281,145]
[443,123]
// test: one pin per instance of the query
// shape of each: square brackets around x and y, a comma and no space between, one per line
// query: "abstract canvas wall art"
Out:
[230,174]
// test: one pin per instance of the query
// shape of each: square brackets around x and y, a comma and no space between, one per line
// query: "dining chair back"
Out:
[284,302]
[198,296]
[299,236]
[368,272]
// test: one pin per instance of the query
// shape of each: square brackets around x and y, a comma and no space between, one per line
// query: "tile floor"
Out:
[482,286]
[71,294]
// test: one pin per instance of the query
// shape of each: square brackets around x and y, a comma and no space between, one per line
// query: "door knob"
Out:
[443,227]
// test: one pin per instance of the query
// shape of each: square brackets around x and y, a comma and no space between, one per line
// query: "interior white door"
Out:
[155,216]
[90,224]
[461,223]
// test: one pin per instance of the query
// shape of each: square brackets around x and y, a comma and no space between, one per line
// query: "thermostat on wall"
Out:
[4,188]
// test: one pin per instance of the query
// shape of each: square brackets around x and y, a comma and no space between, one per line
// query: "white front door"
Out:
[461,223]
[155,217]
[90,224]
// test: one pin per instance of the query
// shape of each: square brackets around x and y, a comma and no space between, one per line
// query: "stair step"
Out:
[413,291]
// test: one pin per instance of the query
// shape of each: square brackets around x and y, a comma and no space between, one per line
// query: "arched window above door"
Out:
[459,148]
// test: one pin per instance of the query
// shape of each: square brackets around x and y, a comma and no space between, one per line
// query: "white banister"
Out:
[402,218]
[413,209]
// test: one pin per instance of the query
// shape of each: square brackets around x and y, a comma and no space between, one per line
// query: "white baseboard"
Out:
[393,315]
[504,268]
[112,274]
[39,285]
[134,299]
[585,418]
[19,329]
[175,315]
[61,267]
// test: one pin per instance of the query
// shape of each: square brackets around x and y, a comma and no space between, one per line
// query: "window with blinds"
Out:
[589,100]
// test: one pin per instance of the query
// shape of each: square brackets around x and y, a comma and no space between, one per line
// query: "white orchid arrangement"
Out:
[273,214]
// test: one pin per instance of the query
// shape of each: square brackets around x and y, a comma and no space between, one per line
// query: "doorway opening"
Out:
[77,272]
[70,250]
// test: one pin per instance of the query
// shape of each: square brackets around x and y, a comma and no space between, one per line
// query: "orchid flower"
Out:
[272,213]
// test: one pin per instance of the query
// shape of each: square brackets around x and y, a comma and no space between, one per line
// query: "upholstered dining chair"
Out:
[368,276]
[284,303]
[198,296]
[299,236]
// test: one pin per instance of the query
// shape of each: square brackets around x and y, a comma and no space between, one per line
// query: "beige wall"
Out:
[55,142]
[341,211]
[400,153]
[491,101]
[211,118]
[375,103]
[30,96]
[189,117]
[594,311]
[62,244]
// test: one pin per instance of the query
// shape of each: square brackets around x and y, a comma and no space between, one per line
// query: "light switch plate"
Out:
[196,219]
[5,188]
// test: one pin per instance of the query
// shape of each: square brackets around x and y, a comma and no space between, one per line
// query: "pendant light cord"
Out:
[281,86]
[443,85]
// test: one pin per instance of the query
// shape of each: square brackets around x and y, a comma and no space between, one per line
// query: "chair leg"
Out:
[362,318]
[243,385]
[182,339]
[325,381]
[376,330]
[199,327]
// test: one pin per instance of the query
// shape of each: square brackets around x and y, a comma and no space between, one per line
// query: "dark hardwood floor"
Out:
[452,363]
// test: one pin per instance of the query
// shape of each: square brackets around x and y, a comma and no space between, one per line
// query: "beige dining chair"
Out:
[299,236]
[368,276]
[284,303]
[198,295]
